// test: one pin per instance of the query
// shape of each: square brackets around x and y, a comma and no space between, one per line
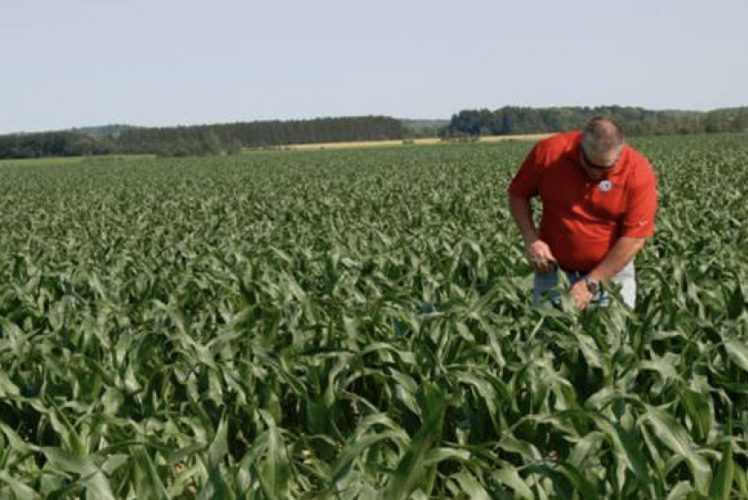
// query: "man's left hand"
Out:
[580,294]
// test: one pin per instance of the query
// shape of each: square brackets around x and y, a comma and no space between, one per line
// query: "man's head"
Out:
[602,142]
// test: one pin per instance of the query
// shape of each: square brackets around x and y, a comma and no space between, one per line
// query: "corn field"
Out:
[357,324]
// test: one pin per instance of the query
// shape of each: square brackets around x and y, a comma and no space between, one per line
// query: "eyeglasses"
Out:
[594,165]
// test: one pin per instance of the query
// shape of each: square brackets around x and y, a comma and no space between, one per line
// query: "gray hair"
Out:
[602,136]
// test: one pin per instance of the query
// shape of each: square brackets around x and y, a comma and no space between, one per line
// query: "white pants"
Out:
[546,283]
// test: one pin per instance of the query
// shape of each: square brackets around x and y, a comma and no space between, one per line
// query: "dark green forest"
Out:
[233,137]
[200,139]
[635,121]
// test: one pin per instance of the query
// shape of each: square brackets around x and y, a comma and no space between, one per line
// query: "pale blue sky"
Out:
[167,62]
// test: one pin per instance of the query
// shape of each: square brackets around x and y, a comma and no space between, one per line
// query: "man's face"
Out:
[598,165]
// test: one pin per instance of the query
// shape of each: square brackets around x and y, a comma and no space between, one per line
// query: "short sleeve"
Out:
[641,205]
[526,182]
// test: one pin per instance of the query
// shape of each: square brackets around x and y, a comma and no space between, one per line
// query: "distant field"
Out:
[357,324]
[421,142]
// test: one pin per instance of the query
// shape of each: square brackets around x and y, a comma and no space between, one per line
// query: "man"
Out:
[599,199]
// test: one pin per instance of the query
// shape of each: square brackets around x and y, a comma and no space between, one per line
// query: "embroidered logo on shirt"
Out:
[605,186]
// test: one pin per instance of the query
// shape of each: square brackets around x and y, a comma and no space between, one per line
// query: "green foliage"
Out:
[356,324]
[224,138]
[636,121]
[199,140]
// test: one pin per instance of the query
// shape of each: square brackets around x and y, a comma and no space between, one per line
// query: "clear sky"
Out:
[78,63]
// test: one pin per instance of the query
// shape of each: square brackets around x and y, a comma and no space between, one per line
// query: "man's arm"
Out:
[623,251]
[519,207]
[621,254]
[539,254]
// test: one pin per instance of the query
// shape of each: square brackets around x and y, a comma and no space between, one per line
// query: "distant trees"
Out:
[636,121]
[227,138]
[200,140]
[423,128]
[233,137]
[52,144]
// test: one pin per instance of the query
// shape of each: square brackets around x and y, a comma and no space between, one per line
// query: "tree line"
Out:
[233,137]
[201,139]
[635,121]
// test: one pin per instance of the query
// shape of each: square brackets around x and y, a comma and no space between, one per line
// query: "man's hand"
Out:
[580,294]
[540,257]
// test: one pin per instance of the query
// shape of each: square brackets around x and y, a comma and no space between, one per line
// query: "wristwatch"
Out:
[593,286]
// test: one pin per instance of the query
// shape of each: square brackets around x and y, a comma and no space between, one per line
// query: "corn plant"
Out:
[357,324]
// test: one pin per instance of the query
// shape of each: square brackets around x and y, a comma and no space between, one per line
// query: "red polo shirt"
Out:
[582,218]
